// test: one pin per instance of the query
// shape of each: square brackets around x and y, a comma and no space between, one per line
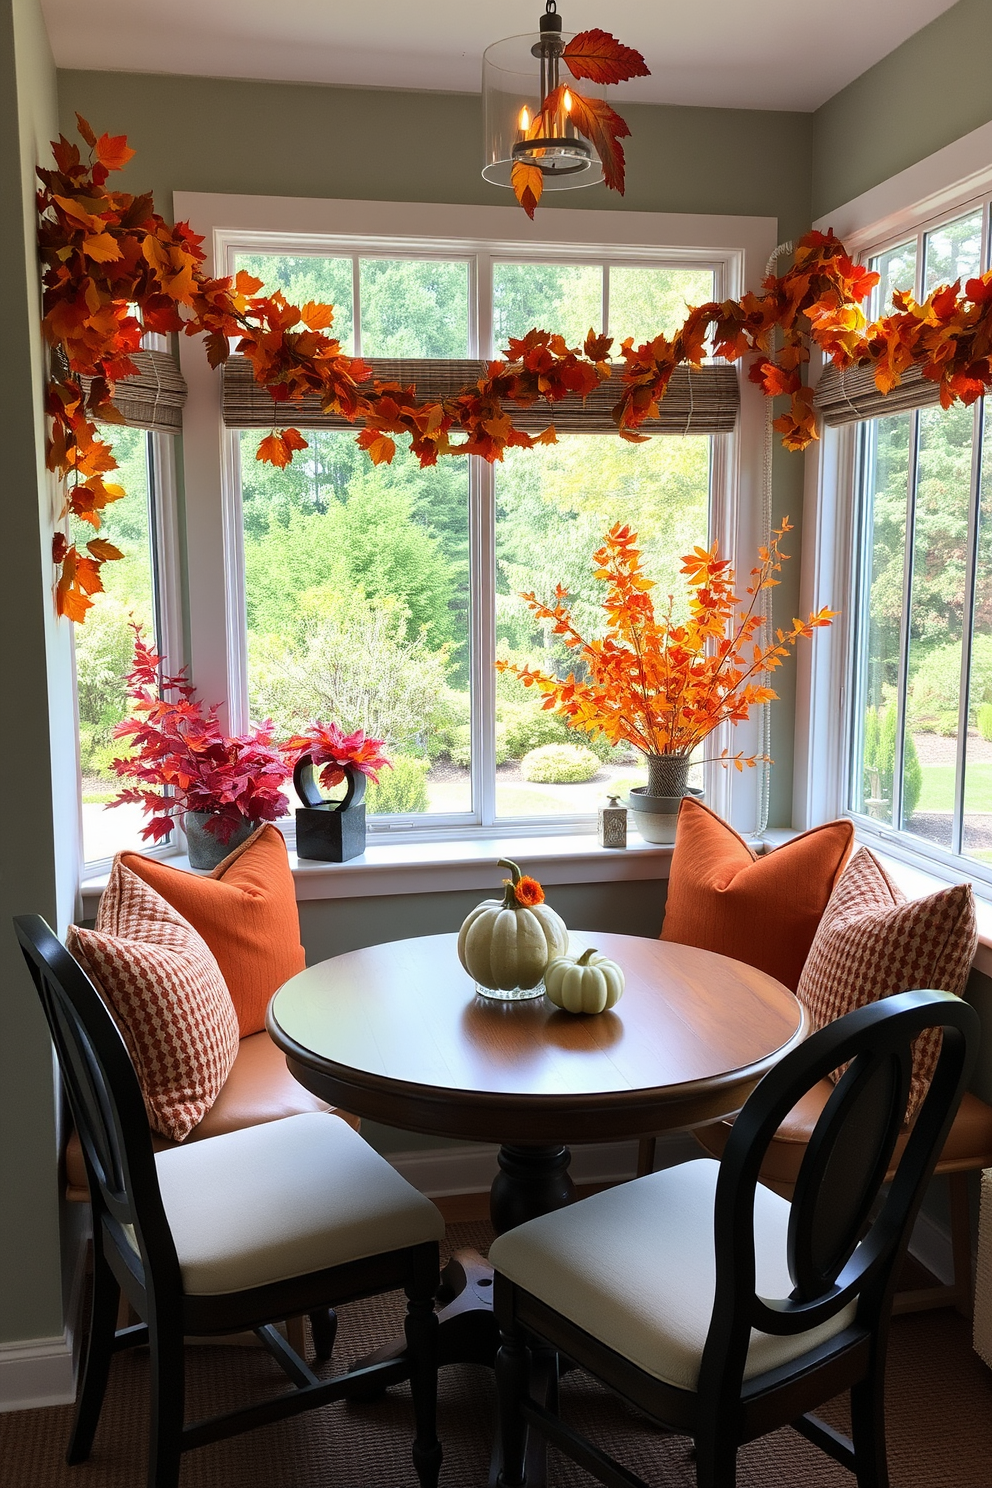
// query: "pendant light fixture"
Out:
[540,133]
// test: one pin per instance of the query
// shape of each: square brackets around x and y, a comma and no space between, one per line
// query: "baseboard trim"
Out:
[37,1373]
[42,1371]
[445,1172]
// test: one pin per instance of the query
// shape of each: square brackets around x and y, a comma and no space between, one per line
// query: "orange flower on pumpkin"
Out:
[528,892]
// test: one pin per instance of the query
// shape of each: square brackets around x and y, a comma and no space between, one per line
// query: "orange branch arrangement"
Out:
[656,683]
[114,269]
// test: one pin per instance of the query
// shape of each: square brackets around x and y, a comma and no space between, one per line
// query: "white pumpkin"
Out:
[589,985]
[504,944]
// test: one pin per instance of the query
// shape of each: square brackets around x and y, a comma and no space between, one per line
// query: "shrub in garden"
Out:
[460,747]
[935,686]
[401,789]
[559,764]
[985,722]
[880,754]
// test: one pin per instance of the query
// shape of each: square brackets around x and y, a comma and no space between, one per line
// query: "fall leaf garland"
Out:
[114,270]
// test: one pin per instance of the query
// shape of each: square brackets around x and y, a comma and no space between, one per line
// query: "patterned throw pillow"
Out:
[168,998]
[873,942]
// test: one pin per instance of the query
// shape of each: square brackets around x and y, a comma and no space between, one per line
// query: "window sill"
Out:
[917,881]
[441,867]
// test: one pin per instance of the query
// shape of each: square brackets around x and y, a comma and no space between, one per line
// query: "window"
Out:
[921,724]
[380,596]
[104,644]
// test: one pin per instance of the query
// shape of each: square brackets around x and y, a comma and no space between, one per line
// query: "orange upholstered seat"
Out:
[258,1089]
[968,1145]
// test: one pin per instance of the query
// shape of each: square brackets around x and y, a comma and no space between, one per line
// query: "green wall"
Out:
[931,90]
[286,139]
[282,139]
[37,682]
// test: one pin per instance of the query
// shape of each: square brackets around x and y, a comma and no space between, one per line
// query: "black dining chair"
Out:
[232,1233]
[718,1308]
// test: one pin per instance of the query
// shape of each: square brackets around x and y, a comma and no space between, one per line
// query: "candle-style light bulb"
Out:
[568,102]
[524,120]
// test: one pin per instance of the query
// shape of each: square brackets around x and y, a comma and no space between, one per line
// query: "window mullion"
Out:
[905,627]
[861,638]
[482,493]
[356,303]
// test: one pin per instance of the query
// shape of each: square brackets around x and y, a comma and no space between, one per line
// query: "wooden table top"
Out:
[396,1032]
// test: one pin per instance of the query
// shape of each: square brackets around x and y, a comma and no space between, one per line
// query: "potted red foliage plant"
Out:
[185,766]
[332,830]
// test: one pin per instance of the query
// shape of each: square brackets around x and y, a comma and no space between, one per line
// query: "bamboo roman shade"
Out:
[697,402]
[845,397]
[154,399]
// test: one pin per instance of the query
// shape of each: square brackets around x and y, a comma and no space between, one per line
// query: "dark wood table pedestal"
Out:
[531,1181]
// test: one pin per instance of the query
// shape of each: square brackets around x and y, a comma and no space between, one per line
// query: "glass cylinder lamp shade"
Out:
[517,75]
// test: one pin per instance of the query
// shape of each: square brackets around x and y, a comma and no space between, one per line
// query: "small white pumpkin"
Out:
[589,985]
[504,944]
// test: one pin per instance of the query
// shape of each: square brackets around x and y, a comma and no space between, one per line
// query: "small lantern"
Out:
[517,76]
[613,824]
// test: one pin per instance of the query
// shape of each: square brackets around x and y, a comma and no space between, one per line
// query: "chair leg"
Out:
[421,1328]
[871,1466]
[99,1351]
[324,1326]
[646,1149]
[167,1386]
[513,1365]
[960,1203]
[716,1460]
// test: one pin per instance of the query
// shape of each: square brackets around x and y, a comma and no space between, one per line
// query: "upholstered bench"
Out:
[259,1088]
[968,1149]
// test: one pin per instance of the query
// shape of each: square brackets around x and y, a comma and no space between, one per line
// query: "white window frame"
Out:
[928,193]
[737,247]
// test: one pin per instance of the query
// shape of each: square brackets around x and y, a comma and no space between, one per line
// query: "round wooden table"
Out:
[397,1033]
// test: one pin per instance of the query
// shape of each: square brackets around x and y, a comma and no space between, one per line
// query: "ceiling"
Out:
[779,54]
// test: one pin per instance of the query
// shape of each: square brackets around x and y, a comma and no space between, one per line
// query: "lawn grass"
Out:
[937,793]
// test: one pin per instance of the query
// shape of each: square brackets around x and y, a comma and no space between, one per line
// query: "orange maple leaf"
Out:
[528,184]
[112,151]
[379,447]
[103,551]
[277,448]
[317,317]
[101,247]
[598,56]
[601,125]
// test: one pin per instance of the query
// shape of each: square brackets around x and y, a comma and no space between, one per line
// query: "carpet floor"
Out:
[939,1422]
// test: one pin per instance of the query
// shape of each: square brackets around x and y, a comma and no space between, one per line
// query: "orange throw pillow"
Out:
[873,942]
[246,913]
[765,911]
[168,999]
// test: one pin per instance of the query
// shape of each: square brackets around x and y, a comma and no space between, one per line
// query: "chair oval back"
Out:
[836,1254]
[845,1165]
[104,1096]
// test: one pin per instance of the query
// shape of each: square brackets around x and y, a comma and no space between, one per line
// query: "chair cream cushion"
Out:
[280,1200]
[634,1266]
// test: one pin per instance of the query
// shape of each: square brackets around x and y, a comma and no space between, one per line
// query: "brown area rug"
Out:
[939,1422]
